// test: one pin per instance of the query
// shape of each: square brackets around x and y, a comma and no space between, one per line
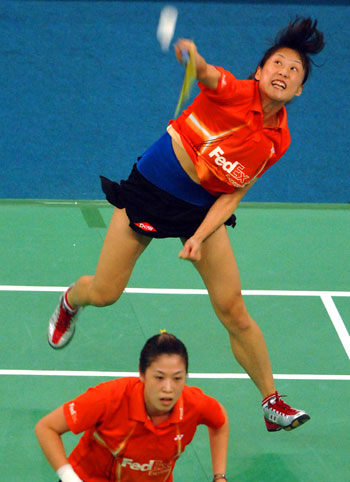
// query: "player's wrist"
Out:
[218,477]
[67,474]
[198,237]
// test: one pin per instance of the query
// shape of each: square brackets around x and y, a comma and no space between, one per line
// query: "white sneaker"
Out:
[62,325]
[278,415]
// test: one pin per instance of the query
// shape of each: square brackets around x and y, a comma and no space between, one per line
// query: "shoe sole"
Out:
[295,424]
[56,347]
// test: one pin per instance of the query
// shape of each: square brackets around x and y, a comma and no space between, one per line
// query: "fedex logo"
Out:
[73,411]
[136,466]
[233,168]
[153,467]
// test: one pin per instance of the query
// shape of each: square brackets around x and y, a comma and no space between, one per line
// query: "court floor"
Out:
[294,262]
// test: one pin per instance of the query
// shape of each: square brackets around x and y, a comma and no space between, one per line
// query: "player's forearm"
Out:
[201,65]
[52,445]
[218,439]
[220,211]
[205,73]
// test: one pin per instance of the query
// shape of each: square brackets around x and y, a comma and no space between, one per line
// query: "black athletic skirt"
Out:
[154,212]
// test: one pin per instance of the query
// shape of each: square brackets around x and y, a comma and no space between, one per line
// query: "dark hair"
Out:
[164,343]
[302,36]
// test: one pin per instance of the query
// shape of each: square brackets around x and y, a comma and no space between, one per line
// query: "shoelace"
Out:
[280,406]
[281,403]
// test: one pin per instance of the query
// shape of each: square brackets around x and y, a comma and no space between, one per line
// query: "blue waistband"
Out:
[160,166]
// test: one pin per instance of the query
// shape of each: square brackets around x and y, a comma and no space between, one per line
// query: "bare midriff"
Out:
[182,156]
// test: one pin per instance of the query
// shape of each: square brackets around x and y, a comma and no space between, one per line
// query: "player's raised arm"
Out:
[207,74]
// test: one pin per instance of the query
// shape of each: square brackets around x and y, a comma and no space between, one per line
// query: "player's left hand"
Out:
[191,250]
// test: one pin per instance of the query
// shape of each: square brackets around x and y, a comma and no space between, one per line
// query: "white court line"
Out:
[64,373]
[337,322]
[326,297]
[175,291]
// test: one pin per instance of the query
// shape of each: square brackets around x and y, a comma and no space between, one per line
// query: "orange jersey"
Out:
[222,131]
[121,443]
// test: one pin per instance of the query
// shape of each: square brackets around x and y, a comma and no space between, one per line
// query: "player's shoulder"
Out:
[118,387]
[229,76]
[230,89]
[125,384]
[193,395]
[198,404]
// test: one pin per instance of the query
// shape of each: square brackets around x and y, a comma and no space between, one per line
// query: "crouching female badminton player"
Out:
[135,429]
[189,183]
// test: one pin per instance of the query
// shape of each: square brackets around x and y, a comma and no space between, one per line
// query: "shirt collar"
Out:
[137,407]
[256,104]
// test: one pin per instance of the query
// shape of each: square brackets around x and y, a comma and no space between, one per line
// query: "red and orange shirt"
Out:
[120,442]
[223,133]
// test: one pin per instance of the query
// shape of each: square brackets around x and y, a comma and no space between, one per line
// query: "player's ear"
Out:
[299,91]
[257,73]
[141,375]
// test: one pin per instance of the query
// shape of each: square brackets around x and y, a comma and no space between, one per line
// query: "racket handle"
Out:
[185,56]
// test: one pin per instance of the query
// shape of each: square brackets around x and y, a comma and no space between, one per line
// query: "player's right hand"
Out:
[184,45]
[191,250]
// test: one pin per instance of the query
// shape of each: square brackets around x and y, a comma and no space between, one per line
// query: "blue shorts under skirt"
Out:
[160,166]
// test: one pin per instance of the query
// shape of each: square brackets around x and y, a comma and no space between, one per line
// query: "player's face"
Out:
[281,77]
[164,380]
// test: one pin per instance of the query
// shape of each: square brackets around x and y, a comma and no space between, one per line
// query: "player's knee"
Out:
[103,297]
[234,315]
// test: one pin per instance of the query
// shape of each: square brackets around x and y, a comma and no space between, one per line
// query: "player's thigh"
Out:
[121,248]
[219,271]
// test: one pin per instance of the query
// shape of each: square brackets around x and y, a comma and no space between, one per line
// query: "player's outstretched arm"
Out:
[218,439]
[207,74]
[48,431]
